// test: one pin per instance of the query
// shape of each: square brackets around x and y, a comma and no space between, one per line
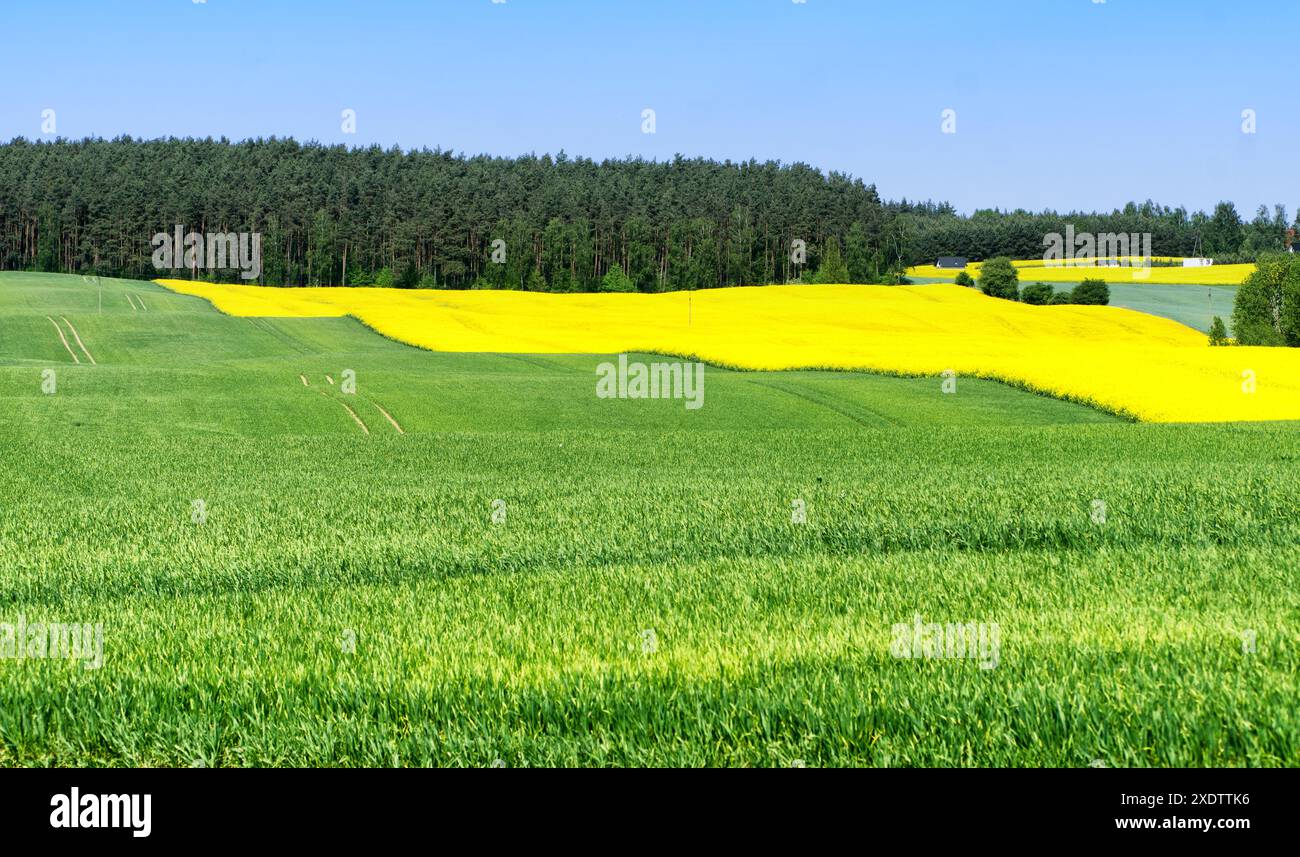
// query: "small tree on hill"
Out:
[833,268]
[616,281]
[1218,332]
[964,279]
[999,279]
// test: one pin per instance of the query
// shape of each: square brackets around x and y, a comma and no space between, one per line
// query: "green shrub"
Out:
[616,281]
[563,281]
[964,279]
[999,279]
[1218,332]
[535,282]
[1091,293]
[410,277]
[1267,307]
[1038,294]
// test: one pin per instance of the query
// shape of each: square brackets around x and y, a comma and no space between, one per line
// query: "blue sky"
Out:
[1059,103]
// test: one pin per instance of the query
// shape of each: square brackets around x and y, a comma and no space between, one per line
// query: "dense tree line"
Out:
[434,219]
[935,230]
[330,215]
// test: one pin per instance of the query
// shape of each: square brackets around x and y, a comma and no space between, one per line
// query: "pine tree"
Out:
[832,268]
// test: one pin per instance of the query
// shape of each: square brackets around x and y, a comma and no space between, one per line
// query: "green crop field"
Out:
[1192,305]
[502,568]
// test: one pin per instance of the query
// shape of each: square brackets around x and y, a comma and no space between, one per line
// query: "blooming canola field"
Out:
[1148,368]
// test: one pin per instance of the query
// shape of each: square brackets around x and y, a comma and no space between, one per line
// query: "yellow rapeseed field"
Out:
[1036,271]
[1146,367]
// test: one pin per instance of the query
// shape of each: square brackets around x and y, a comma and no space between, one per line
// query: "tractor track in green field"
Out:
[77,337]
[361,423]
[272,330]
[826,403]
[64,340]
[531,360]
[386,415]
[336,397]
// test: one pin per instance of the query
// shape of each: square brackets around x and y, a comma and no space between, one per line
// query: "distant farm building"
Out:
[1197,263]
[957,262]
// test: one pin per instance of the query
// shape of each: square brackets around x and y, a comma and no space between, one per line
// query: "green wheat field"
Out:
[502,569]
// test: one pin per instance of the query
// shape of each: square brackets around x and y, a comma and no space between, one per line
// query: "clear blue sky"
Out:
[1060,103]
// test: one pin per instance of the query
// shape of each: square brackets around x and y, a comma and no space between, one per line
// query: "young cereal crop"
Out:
[531,575]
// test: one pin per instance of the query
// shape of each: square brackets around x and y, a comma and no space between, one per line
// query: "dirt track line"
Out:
[78,338]
[355,417]
[141,302]
[131,302]
[388,417]
[351,412]
[64,339]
